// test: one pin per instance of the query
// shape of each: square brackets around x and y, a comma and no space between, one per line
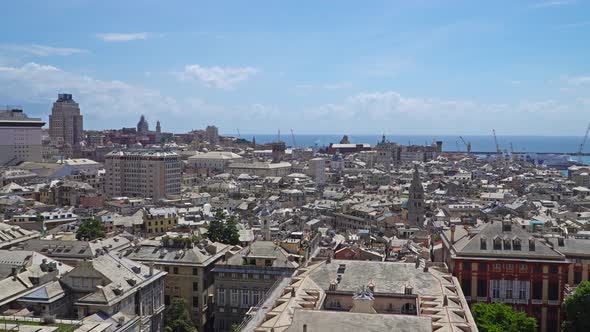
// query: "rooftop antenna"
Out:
[279,135]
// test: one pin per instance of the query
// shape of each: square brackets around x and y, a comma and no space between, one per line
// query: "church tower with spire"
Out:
[416,201]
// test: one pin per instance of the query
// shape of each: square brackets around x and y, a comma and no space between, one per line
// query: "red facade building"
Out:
[501,262]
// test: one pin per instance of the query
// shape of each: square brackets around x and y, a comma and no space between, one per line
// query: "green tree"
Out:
[90,229]
[215,229]
[498,317]
[177,318]
[577,306]
[223,229]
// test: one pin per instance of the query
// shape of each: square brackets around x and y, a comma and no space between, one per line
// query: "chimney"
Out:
[151,268]
[333,285]
[304,327]
[453,234]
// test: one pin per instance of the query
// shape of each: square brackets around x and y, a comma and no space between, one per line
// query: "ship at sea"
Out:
[557,161]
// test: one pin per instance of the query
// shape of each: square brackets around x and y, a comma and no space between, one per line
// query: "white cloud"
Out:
[578,80]
[124,37]
[41,50]
[553,3]
[37,83]
[218,77]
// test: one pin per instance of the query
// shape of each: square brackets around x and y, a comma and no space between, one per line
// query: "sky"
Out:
[333,67]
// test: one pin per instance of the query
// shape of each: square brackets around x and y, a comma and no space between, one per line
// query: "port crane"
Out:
[498,151]
[467,144]
[583,144]
[293,138]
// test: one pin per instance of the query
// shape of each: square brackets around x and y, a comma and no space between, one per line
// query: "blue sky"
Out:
[395,67]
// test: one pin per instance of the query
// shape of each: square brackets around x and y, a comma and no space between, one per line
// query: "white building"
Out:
[213,161]
[20,137]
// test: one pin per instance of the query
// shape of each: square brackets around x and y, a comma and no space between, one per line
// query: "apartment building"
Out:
[501,262]
[159,220]
[150,173]
[242,280]
[189,266]
[20,137]
[116,286]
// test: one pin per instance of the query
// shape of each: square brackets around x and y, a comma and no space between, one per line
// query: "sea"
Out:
[483,143]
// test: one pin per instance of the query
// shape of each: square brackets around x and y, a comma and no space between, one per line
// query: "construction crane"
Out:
[467,144]
[498,151]
[583,144]
[239,135]
[293,138]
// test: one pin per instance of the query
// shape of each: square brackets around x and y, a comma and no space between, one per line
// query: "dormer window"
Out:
[497,243]
[483,243]
[516,245]
[507,244]
[531,244]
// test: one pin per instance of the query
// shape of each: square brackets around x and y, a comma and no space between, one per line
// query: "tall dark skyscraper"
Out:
[65,121]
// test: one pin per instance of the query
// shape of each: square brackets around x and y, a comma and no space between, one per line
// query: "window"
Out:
[234,276]
[509,285]
[497,244]
[195,271]
[221,296]
[482,288]
[255,297]
[537,290]
[507,244]
[509,267]
[497,267]
[195,301]
[516,245]
[466,286]
[195,286]
[553,291]
[483,267]
[255,276]
[554,269]
[467,266]
[495,286]
[167,299]
[266,277]
[577,277]
[538,268]
[523,268]
[233,297]
[245,276]
[175,270]
[522,293]
[245,298]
